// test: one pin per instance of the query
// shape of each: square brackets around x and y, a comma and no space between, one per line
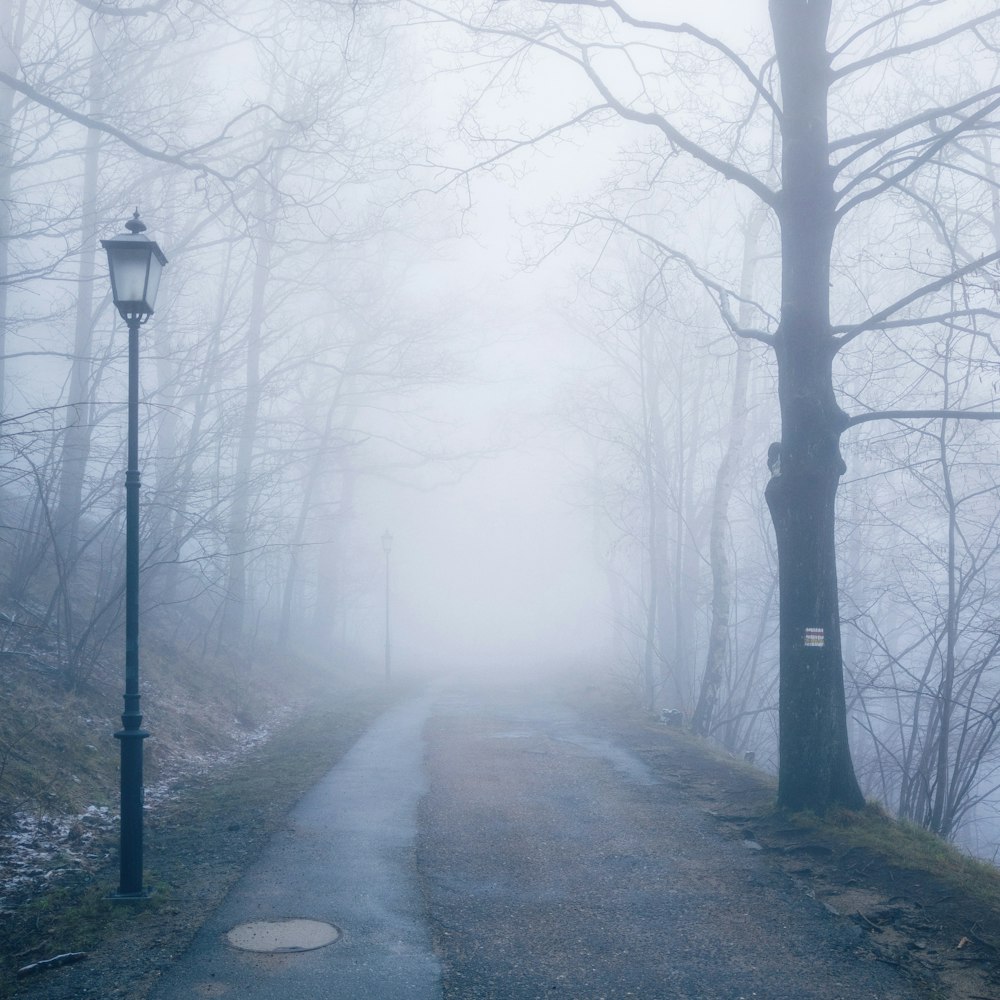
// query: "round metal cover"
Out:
[282,936]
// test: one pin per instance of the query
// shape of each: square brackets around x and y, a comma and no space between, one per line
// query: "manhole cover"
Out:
[282,936]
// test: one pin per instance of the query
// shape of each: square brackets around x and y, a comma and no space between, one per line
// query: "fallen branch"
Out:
[51,963]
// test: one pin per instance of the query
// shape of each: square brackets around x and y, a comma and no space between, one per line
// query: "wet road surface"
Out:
[346,858]
[484,844]
[555,866]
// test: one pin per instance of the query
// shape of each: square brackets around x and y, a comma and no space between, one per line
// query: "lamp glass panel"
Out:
[128,270]
[153,282]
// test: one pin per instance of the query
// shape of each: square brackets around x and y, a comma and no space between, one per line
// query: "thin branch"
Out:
[918,46]
[722,294]
[681,29]
[933,148]
[878,137]
[728,170]
[174,159]
[943,318]
[879,21]
[862,418]
[876,322]
[109,8]
[680,141]
[514,146]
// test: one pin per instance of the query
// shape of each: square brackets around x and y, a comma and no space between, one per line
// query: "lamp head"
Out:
[135,263]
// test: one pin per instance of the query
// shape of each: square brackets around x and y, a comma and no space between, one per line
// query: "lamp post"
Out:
[135,263]
[387,548]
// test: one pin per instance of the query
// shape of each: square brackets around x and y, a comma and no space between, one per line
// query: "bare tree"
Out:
[824,179]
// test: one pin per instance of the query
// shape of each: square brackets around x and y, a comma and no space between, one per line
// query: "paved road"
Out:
[346,858]
[480,844]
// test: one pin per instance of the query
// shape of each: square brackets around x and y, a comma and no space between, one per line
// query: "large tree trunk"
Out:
[815,768]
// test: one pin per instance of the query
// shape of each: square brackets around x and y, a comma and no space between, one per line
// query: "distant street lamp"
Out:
[387,548]
[135,263]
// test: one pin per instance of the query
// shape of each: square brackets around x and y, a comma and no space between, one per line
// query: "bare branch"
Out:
[862,418]
[944,318]
[162,156]
[681,29]
[933,147]
[878,137]
[514,146]
[878,321]
[110,8]
[676,138]
[879,21]
[720,293]
[918,46]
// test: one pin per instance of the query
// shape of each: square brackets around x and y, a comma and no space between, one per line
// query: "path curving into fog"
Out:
[481,843]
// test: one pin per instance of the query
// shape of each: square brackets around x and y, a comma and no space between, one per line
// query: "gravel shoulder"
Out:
[555,869]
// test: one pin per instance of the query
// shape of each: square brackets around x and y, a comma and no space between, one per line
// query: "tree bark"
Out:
[815,767]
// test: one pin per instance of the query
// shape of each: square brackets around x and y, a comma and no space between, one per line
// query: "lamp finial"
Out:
[135,225]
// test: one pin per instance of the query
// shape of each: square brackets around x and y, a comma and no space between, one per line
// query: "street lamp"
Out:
[387,548]
[135,263]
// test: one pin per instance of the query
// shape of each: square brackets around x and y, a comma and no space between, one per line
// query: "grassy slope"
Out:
[216,819]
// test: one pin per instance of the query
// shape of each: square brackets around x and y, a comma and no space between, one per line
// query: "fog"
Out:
[514,284]
[497,566]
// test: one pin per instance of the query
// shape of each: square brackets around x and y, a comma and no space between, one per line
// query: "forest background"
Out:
[505,280]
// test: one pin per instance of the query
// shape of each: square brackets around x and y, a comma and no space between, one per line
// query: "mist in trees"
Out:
[663,344]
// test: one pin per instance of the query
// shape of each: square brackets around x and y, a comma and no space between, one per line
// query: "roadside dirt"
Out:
[945,942]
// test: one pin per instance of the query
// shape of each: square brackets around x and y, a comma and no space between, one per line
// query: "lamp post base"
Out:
[131,897]
[132,795]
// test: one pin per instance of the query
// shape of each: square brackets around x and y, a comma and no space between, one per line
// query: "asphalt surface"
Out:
[346,858]
[486,844]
